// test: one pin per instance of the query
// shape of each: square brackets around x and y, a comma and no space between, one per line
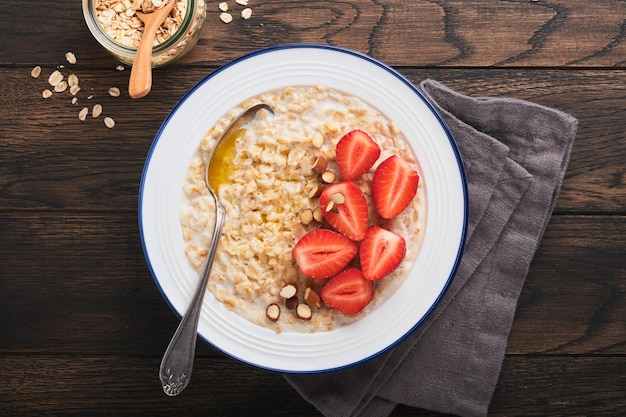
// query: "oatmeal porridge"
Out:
[272,201]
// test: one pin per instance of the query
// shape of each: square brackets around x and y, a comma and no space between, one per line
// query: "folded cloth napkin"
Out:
[515,154]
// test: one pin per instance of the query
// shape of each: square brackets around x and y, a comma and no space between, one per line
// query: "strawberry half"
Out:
[356,153]
[348,292]
[381,252]
[393,187]
[322,253]
[348,217]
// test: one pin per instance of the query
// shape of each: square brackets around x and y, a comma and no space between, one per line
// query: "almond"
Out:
[288,290]
[273,312]
[292,302]
[312,298]
[328,177]
[319,165]
[338,198]
[306,217]
[303,312]
[318,214]
[316,191]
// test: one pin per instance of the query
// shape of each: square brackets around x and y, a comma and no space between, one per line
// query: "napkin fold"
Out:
[515,154]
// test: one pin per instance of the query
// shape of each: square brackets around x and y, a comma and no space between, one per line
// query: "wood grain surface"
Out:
[82,324]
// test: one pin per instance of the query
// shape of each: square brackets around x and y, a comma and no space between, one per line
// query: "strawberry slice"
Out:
[348,292]
[356,153]
[348,211]
[393,187]
[381,252]
[322,253]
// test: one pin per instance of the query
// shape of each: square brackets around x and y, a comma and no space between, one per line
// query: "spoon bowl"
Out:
[177,363]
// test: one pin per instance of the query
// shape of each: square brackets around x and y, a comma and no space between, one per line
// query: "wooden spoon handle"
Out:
[141,72]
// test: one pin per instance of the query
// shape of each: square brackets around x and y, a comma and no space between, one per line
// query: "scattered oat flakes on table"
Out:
[70,57]
[36,72]
[74,89]
[82,114]
[96,111]
[55,78]
[226,17]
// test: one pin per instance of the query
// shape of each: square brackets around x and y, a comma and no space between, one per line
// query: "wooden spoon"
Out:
[141,72]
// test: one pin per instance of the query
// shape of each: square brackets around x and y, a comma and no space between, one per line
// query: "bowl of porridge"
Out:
[346,208]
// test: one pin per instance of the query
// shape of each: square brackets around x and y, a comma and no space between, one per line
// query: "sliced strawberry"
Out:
[322,253]
[356,153]
[349,215]
[348,292]
[393,187]
[381,252]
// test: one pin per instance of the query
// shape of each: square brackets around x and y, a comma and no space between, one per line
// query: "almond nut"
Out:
[320,165]
[292,302]
[273,312]
[318,214]
[306,217]
[328,177]
[316,191]
[312,298]
[303,312]
[288,290]
[338,198]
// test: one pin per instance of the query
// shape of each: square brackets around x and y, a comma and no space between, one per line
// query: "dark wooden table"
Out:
[82,324]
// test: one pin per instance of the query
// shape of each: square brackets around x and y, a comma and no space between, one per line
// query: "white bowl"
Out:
[441,171]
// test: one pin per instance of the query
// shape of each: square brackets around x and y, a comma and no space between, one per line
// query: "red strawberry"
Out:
[393,187]
[348,215]
[356,153]
[322,253]
[381,252]
[348,292]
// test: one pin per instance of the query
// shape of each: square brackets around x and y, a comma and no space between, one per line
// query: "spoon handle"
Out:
[177,363]
[140,82]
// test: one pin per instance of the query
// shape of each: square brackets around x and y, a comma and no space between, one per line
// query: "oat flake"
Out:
[96,111]
[60,87]
[74,89]
[226,17]
[109,122]
[55,78]
[36,72]
[82,115]
[71,58]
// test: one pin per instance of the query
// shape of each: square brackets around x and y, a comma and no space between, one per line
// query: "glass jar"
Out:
[119,32]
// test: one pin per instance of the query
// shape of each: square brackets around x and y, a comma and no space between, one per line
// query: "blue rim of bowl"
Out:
[411,86]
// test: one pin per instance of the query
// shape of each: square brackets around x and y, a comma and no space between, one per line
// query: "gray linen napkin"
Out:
[515,154]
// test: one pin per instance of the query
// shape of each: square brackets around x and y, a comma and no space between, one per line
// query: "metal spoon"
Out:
[177,363]
[140,81]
